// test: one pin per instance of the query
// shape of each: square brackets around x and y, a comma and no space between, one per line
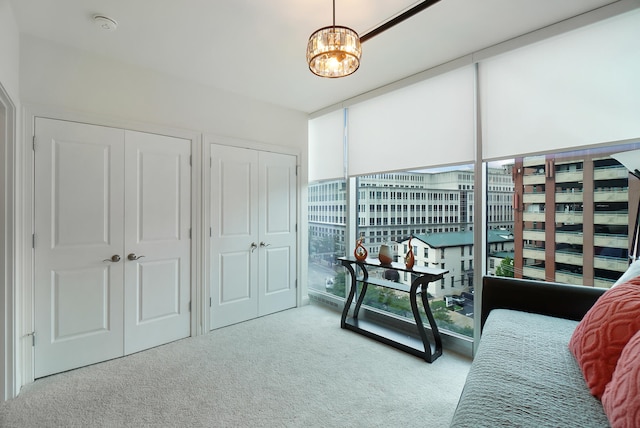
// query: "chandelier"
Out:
[334,51]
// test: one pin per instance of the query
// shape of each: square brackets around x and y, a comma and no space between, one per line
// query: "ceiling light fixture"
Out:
[334,51]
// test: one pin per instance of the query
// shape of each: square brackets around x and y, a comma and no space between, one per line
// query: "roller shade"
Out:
[429,123]
[326,146]
[572,90]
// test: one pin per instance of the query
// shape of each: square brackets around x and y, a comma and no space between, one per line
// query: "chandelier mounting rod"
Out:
[393,21]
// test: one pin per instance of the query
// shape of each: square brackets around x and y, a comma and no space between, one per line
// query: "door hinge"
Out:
[297,166]
[33,241]
[210,233]
[189,306]
[189,233]
[209,301]
[296,227]
[190,160]
[33,143]
[296,283]
[210,162]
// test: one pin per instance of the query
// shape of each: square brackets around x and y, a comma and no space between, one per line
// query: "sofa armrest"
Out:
[546,298]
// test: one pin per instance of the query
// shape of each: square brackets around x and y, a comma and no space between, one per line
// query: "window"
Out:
[327,238]
[426,185]
[602,223]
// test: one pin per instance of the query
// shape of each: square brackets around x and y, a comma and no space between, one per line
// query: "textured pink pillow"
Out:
[599,338]
[621,398]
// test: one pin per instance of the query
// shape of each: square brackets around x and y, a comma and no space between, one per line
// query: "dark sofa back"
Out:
[546,298]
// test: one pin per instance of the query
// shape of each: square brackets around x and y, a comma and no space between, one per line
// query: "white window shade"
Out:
[326,146]
[430,123]
[572,90]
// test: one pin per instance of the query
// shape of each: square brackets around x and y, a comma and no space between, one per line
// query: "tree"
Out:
[505,268]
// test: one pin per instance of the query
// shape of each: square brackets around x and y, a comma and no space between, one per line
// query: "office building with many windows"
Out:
[393,206]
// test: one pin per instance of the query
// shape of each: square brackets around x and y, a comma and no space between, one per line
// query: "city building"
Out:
[452,251]
[572,218]
[393,206]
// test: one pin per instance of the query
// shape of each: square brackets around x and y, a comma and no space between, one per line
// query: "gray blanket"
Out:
[525,376]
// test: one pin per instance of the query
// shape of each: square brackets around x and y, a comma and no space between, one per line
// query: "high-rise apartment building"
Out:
[572,219]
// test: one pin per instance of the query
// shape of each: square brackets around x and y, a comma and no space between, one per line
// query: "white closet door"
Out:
[277,222]
[157,243]
[253,239]
[78,229]
[234,235]
[102,194]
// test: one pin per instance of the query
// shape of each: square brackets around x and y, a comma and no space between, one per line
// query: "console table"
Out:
[422,347]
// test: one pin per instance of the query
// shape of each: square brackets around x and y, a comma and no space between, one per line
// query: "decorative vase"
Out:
[384,255]
[409,258]
[360,253]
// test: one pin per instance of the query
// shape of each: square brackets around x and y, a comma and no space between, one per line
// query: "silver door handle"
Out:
[114,259]
[262,244]
[253,247]
[133,257]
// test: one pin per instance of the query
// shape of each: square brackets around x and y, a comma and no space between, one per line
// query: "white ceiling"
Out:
[257,48]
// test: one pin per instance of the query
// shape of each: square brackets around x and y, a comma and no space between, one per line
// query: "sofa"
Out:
[525,373]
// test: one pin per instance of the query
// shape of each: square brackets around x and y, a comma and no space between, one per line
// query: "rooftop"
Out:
[458,239]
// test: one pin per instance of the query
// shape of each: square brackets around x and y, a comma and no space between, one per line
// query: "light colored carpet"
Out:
[296,368]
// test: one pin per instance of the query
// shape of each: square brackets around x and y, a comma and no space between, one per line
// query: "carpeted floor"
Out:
[296,368]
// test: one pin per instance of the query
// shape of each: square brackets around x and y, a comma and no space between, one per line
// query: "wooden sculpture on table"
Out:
[409,259]
[360,253]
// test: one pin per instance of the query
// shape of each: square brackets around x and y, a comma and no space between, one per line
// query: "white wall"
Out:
[82,81]
[9,51]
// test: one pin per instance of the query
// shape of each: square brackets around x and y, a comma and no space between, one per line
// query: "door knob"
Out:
[133,257]
[253,246]
[262,244]
[115,258]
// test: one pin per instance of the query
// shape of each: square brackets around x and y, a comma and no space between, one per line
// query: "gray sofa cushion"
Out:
[524,375]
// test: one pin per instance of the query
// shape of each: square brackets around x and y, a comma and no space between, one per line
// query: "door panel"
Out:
[157,221]
[81,304]
[158,291]
[277,222]
[80,206]
[78,225]
[235,269]
[234,221]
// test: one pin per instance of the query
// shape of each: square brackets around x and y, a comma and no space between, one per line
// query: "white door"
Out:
[277,223]
[101,194]
[79,228]
[234,235]
[253,239]
[157,243]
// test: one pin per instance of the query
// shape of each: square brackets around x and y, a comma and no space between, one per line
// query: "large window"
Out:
[327,233]
[562,217]
[438,219]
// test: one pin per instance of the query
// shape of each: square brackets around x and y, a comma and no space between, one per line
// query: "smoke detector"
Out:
[105,22]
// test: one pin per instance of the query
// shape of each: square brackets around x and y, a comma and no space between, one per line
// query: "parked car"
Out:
[328,283]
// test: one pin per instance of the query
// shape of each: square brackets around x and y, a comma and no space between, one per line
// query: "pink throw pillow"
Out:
[621,398]
[599,338]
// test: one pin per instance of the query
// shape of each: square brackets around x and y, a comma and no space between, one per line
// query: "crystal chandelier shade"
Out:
[334,51]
